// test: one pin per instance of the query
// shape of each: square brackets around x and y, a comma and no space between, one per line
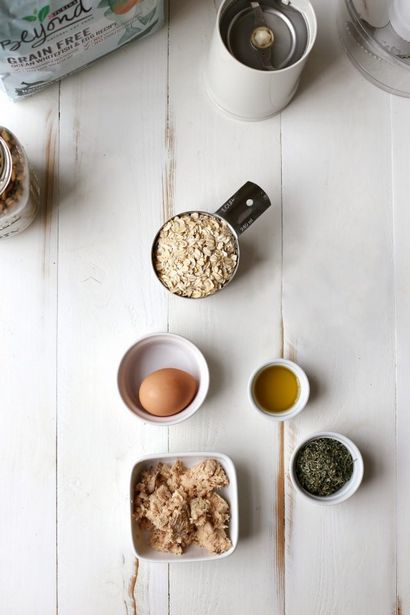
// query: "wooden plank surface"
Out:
[28,377]
[324,280]
[112,157]
[400,109]
[339,324]
[208,170]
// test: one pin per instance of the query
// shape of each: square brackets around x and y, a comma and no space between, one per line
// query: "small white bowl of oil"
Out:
[279,390]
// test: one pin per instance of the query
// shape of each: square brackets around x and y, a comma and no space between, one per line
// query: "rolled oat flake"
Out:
[19,191]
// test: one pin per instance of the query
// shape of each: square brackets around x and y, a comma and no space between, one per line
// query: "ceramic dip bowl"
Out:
[352,484]
[151,353]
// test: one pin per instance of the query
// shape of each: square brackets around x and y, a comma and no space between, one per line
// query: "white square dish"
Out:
[194,553]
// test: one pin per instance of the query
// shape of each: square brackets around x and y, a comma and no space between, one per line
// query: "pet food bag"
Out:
[42,41]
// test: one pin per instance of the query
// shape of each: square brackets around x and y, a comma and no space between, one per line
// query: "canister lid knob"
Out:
[262,37]
[265,34]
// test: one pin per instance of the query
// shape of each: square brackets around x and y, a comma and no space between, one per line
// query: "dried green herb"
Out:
[323,466]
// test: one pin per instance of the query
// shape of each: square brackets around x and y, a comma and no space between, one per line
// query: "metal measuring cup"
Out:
[237,213]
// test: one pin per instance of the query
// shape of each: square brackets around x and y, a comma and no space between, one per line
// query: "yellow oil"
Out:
[276,389]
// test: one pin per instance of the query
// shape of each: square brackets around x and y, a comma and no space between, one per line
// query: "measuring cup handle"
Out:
[244,207]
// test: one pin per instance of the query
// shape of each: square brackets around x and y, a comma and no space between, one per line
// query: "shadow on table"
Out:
[250,498]
[325,53]
[316,389]
[180,9]
[53,189]
[217,377]
[251,257]
[369,463]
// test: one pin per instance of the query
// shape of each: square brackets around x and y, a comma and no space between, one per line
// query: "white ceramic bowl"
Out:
[157,351]
[194,553]
[349,488]
[301,400]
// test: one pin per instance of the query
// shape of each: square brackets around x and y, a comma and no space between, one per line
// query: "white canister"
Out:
[257,55]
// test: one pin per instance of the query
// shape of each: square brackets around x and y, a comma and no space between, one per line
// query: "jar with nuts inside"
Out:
[19,190]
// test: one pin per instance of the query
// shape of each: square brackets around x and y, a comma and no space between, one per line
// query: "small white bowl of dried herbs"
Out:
[326,468]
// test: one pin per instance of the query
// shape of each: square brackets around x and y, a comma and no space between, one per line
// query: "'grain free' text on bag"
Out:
[41,42]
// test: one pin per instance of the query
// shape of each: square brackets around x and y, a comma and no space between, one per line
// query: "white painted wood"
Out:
[214,155]
[138,141]
[28,378]
[338,308]
[401,190]
[112,161]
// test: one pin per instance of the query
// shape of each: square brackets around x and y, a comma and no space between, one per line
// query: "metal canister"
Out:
[19,190]
[257,55]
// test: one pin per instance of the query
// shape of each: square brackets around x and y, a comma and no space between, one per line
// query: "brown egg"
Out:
[167,391]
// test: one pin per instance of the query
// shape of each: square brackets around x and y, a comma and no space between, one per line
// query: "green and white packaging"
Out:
[41,42]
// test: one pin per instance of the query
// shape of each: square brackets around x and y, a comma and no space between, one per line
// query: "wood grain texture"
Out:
[209,168]
[324,280]
[28,378]
[339,318]
[112,145]
[401,188]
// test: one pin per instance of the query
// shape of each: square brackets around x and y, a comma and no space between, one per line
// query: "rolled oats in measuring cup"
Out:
[195,254]
[19,191]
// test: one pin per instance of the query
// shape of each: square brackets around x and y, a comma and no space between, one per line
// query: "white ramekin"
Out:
[301,400]
[156,351]
[349,488]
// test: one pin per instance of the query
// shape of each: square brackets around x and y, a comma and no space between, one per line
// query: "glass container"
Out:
[19,190]
[376,38]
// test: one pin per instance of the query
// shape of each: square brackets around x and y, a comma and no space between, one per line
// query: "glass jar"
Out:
[376,38]
[19,189]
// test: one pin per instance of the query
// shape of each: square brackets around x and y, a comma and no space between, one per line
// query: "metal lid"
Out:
[6,165]
[265,35]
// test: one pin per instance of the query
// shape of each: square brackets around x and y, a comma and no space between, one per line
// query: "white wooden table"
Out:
[325,280]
